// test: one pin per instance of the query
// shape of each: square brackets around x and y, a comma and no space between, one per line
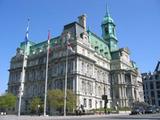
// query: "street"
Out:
[87,117]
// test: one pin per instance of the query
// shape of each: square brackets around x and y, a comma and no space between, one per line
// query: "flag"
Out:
[27,31]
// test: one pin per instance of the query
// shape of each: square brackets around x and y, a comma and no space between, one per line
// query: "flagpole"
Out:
[65,84]
[21,89]
[46,78]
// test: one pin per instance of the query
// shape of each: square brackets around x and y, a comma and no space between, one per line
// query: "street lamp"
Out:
[38,109]
[105,98]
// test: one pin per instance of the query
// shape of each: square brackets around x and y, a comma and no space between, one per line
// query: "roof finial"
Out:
[107,10]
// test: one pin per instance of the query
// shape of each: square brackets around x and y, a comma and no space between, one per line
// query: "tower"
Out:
[108,31]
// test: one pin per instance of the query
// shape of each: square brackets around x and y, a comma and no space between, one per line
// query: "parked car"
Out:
[157,109]
[151,109]
[137,110]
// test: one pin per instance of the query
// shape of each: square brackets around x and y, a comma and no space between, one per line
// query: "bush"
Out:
[124,109]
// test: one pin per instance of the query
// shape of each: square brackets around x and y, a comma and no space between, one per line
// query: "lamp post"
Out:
[105,98]
[38,109]
[117,106]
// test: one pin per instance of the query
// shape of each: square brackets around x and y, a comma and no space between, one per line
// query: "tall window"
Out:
[82,68]
[159,102]
[146,85]
[158,85]
[158,94]
[90,103]
[84,102]
[100,104]
[151,85]
[156,77]
[84,86]
[152,94]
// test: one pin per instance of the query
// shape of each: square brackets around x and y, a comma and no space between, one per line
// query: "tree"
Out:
[56,100]
[36,105]
[7,101]
[71,100]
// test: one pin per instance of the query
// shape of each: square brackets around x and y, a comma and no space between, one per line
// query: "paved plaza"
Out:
[86,117]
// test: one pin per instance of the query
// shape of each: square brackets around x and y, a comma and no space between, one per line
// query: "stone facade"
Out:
[151,86]
[97,67]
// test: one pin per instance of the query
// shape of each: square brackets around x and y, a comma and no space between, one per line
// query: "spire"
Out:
[107,10]
[107,18]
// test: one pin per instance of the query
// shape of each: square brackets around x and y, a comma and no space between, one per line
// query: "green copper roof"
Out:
[99,45]
[43,45]
[34,48]
[107,18]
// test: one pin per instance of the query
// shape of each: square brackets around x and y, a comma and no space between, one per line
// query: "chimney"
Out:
[82,21]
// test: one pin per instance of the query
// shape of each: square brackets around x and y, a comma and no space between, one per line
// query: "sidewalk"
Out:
[26,117]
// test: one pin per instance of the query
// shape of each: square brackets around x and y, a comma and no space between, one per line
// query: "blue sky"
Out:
[138,26]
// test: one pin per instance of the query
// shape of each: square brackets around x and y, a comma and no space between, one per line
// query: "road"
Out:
[91,117]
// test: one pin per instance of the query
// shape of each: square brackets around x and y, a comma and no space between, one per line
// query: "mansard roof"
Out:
[99,45]
[38,47]
[158,67]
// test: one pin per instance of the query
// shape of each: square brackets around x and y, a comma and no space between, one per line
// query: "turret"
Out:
[108,31]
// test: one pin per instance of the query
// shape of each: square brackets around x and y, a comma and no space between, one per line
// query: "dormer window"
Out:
[101,50]
[106,53]
[96,47]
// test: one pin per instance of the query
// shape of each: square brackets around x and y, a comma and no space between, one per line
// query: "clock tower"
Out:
[108,31]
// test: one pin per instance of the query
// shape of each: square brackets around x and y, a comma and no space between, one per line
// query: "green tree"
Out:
[36,105]
[56,100]
[7,101]
[71,100]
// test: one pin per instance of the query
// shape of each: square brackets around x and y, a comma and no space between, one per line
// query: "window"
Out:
[153,102]
[84,102]
[90,103]
[151,85]
[146,86]
[83,67]
[152,94]
[106,30]
[156,77]
[158,94]
[159,102]
[96,104]
[100,104]
[150,78]
[158,85]
[83,86]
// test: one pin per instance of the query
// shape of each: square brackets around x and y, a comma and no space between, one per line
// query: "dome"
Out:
[107,19]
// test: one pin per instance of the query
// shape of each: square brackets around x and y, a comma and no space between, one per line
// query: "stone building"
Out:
[97,67]
[151,86]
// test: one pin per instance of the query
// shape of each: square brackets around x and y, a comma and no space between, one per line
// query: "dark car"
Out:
[157,109]
[151,109]
[137,110]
